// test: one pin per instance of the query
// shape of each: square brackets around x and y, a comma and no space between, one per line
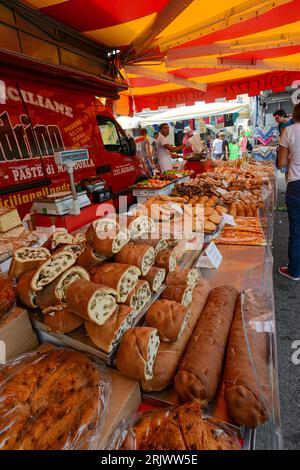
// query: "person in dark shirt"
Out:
[282,120]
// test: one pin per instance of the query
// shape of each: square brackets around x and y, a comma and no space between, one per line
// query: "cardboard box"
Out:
[16,333]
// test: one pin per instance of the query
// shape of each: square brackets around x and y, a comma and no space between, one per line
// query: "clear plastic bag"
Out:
[175,428]
[54,399]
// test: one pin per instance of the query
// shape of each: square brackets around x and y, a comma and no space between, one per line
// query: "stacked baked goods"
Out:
[51,400]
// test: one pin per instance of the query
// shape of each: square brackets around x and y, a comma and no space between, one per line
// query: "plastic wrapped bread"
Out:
[142,256]
[107,336]
[90,301]
[190,277]
[27,259]
[51,269]
[166,259]
[58,239]
[169,318]
[155,277]
[25,292]
[61,320]
[139,296]
[111,242]
[56,292]
[121,277]
[181,294]
[137,352]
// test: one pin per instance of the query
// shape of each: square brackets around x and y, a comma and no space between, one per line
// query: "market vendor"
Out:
[164,149]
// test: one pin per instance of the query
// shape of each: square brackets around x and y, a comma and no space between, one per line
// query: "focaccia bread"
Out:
[181,294]
[169,354]
[77,249]
[27,259]
[51,400]
[190,277]
[25,292]
[166,259]
[7,294]
[169,318]
[104,224]
[57,239]
[153,240]
[56,292]
[155,277]
[200,369]
[139,296]
[51,269]
[121,277]
[111,242]
[142,256]
[247,390]
[90,301]
[137,225]
[137,352]
[61,320]
[107,336]
[90,258]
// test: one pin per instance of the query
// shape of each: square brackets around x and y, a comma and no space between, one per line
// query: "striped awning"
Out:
[180,51]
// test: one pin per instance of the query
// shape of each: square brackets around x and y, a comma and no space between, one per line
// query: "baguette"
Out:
[51,269]
[24,291]
[121,277]
[200,369]
[139,296]
[169,318]
[243,393]
[190,277]
[91,301]
[141,256]
[61,320]
[169,354]
[56,292]
[181,294]
[166,259]
[27,259]
[107,336]
[137,352]
[155,277]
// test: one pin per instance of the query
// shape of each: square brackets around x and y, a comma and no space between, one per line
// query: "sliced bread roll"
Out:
[90,258]
[181,294]
[141,256]
[137,352]
[56,292]
[51,269]
[121,277]
[90,301]
[190,277]
[24,291]
[77,249]
[153,240]
[137,224]
[58,239]
[155,277]
[139,296]
[169,317]
[166,259]
[104,224]
[61,320]
[27,259]
[107,336]
[111,242]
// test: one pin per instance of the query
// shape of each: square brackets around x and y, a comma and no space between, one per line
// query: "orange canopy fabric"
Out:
[179,51]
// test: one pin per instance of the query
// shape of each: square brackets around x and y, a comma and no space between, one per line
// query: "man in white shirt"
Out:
[289,156]
[219,147]
[164,149]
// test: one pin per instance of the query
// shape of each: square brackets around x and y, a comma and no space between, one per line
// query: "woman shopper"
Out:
[143,147]
[289,156]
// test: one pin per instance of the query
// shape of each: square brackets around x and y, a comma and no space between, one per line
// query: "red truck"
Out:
[38,119]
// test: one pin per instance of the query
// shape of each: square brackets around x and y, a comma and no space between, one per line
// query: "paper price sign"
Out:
[211,258]
[228,219]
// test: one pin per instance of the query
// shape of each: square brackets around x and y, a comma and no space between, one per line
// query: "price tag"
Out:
[176,207]
[211,258]
[228,220]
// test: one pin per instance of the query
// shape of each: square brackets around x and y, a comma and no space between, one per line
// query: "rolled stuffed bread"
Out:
[27,259]
[56,292]
[137,225]
[77,249]
[137,352]
[61,320]
[169,317]
[142,256]
[52,268]
[80,238]
[104,224]
[121,277]
[107,336]
[181,294]
[188,277]
[111,242]
[155,277]
[90,258]
[59,238]
[166,259]
[24,291]
[157,243]
[90,301]
[139,296]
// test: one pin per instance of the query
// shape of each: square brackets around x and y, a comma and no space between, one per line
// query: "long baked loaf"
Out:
[155,277]
[139,296]
[25,292]
[58,239]
[247,388]
[111,242]
[90,258]
[121,277]
[169,318]
[137,225]
[200,369]
[98,226]
[169,354]
[27,259]
[190,277]
[61,320]
[141,256]
[51,269]
[181,294]
[166,259]
[137,351]
[91,301]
